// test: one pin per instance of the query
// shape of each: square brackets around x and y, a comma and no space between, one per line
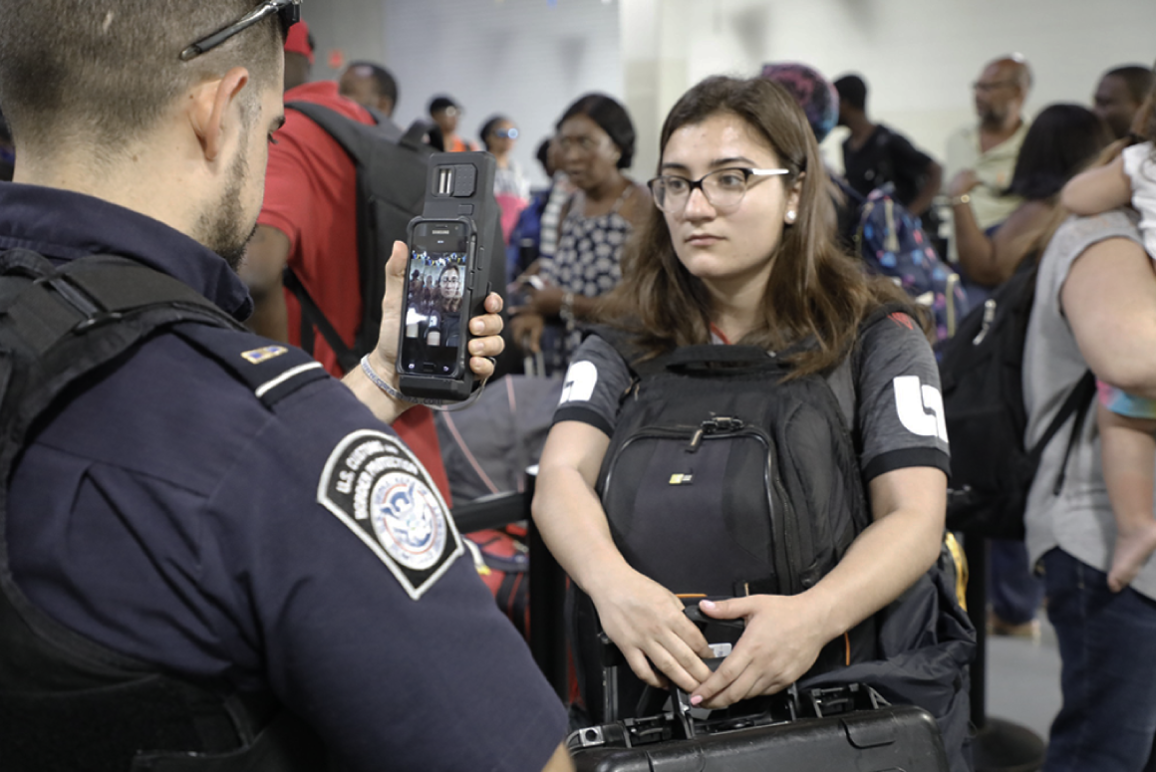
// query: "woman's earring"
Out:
[790,216]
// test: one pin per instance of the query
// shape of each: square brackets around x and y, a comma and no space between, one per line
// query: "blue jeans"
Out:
[1108,650]
[1015,593]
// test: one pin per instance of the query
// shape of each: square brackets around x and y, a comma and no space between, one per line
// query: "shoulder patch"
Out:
[375,485]
[259,355]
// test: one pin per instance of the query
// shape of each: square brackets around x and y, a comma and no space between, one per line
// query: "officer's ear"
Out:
[214,109]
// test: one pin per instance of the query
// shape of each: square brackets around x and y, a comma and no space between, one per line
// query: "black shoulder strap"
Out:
[350,134]
[311,316]
[844,377]
[354,137]
[419,136]
[94,291]
[1078,402]
[359,146]
[60,326]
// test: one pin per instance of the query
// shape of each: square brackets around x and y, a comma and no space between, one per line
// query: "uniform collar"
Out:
[63,225]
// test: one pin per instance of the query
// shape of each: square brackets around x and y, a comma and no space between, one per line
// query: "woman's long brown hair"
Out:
[814,290]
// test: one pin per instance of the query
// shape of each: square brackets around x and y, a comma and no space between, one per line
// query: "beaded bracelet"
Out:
[432,404]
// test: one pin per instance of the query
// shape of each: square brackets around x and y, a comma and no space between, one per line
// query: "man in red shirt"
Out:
[309,221]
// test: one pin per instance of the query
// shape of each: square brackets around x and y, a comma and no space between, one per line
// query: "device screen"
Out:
[435,316]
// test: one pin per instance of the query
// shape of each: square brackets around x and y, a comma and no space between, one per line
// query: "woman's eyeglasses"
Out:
[510,133]
[288,13]
[724,188]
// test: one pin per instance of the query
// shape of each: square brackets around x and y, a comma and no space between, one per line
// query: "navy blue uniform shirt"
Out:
[168,514]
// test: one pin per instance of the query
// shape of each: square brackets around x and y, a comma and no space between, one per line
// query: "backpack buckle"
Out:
[97,319]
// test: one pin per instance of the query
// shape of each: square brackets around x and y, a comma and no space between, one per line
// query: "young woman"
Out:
[740,247]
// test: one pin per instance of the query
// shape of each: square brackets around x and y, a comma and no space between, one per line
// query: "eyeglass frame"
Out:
[698,184]
[288,13]
[510,133]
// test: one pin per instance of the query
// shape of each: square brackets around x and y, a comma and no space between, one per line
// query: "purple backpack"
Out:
[892,243]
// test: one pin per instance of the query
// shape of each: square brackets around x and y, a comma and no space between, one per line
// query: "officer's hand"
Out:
[486,328]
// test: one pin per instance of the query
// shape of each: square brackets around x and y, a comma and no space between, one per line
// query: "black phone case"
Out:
[460,187]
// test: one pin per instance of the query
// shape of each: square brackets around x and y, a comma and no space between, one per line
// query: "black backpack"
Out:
[982,378]
[391,184]
[61,330]
[710,440]
[792,500]
[713,430]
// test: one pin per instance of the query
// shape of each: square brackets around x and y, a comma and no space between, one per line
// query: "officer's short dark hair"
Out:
[1137,78]
[382,79]
[109,70]
[852,91]
[611,117]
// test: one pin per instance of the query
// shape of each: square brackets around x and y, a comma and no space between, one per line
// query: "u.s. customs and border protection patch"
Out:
[374,485]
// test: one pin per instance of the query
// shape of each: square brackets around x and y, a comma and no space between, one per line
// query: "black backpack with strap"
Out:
[391,185]
[982,377]
[66,702]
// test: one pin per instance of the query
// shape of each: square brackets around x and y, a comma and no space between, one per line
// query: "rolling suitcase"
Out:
[817,730]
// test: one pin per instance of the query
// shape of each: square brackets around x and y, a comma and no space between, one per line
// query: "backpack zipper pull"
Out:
[696,439]
[988,318]
[713,426]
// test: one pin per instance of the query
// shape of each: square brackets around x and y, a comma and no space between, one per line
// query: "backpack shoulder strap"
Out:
[418,137]
[348,133]
[1077,403]
[844,377]
[61,324]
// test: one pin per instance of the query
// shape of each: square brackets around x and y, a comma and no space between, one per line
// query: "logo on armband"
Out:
[374,485]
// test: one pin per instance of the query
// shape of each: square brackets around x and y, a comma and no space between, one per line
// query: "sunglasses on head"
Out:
[288,13]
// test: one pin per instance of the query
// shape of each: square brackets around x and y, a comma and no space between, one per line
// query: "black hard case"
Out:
[868,739]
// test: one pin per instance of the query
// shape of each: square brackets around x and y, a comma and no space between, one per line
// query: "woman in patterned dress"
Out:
[596,143]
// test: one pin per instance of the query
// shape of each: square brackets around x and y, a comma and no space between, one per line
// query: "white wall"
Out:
[919,57]
[530,58]
[527,59]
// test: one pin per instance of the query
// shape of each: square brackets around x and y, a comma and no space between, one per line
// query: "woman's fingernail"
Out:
[696,700]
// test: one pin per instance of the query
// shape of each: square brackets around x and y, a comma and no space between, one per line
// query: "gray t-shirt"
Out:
[1079,520]
[898,418]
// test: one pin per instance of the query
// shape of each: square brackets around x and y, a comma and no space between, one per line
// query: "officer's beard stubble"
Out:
[223,227]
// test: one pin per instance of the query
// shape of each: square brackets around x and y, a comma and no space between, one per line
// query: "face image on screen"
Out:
[434,318]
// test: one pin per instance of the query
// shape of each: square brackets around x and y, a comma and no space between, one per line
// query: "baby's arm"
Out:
[1098,190]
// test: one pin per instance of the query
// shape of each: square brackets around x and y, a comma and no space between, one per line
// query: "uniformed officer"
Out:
[214,529]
